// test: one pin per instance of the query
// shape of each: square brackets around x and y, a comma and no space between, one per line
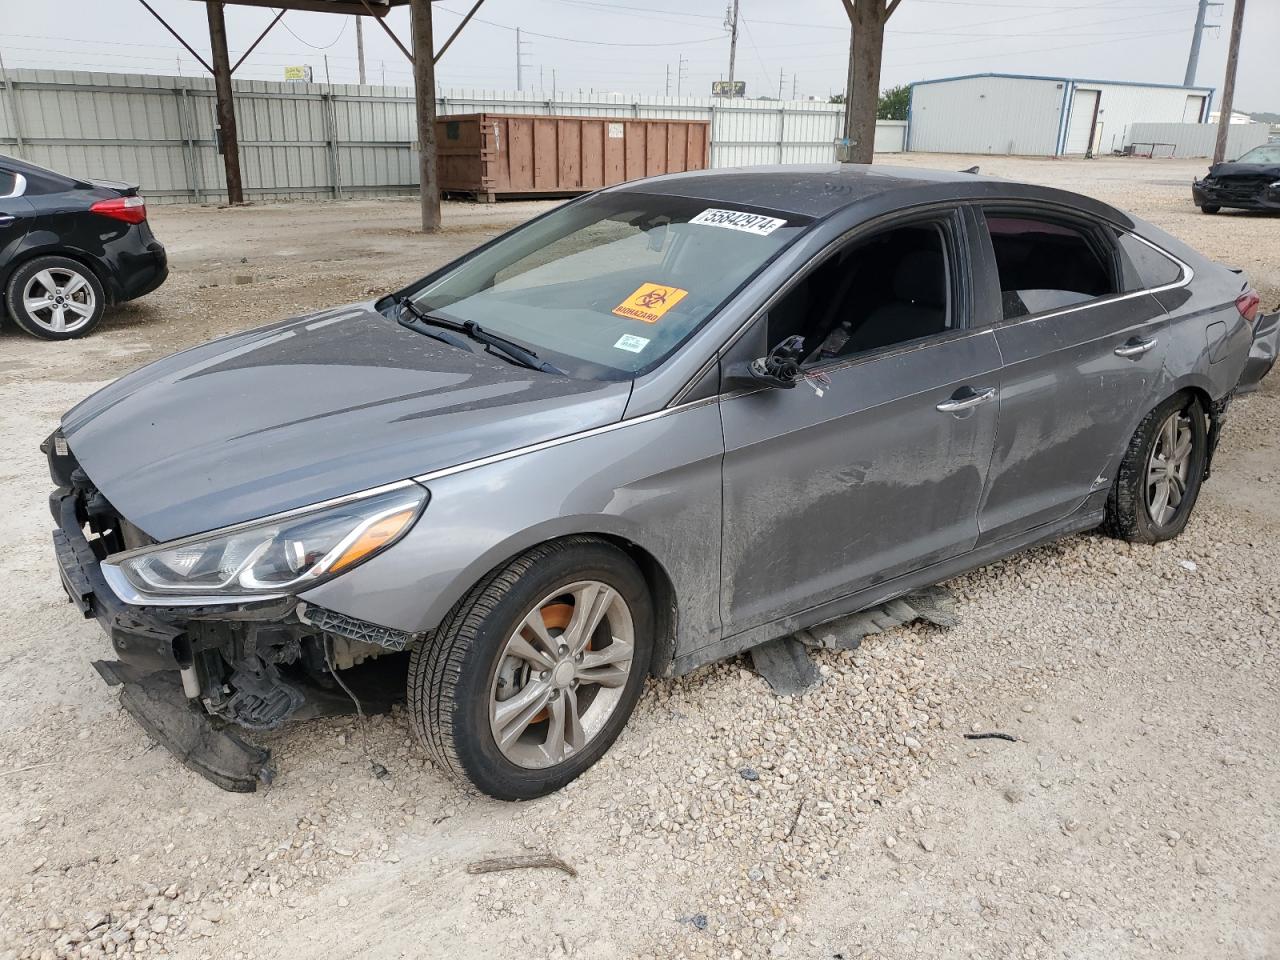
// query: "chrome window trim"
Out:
[924,211]
[19,187]
[1187,275]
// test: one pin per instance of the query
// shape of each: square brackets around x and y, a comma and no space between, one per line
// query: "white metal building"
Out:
[1042,116]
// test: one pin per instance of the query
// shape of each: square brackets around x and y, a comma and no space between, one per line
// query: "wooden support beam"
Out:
[253,46]
[424,83]
[228,141]
[454,36]
[388,31]
[191,50]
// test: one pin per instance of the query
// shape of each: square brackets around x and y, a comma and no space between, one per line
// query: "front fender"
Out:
[653,481]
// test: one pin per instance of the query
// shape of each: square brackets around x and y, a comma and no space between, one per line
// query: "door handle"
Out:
[967,398]
[1135,347]
[5,219]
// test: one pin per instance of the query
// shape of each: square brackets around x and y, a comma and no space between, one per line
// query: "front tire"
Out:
[1159,479]
[55,298]
[1210,208]
[532,676]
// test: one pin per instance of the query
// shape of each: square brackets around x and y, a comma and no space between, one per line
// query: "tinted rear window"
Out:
[1144,266]
[1045,264]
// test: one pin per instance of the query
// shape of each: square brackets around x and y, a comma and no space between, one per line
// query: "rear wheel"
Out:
[1159,479]
[55,298]
[532,676]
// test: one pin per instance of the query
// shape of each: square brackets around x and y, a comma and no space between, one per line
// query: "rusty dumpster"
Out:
[490,156]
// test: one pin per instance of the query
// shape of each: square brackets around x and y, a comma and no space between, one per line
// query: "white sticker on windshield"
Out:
[755,223]
[631,343]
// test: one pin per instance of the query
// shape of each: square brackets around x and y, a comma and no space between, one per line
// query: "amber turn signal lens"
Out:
[376,536]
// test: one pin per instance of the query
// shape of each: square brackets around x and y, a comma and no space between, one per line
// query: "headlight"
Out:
[275,556]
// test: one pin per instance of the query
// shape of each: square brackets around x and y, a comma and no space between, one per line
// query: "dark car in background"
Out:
[1250,183]
[70,248]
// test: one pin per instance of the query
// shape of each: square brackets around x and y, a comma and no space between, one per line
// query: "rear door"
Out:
[875,464]
[1081,358]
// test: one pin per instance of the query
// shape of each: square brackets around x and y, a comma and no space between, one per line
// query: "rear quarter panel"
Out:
[1208,338]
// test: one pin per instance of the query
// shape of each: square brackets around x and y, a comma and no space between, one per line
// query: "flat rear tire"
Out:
[1159,479]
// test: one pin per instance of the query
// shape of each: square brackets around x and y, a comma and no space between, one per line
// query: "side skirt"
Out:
[1093,515]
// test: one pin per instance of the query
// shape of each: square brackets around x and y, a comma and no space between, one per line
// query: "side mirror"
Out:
[781,368]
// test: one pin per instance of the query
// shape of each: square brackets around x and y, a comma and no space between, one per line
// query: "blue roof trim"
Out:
[1075,80]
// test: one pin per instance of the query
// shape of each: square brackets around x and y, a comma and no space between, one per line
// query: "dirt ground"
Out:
[1135,815]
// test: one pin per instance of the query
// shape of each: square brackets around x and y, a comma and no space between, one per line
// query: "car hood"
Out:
[1245,169]
[310,409]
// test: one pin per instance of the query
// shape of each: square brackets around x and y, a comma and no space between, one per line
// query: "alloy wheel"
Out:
[1168,466]
[561,674]
[59,300]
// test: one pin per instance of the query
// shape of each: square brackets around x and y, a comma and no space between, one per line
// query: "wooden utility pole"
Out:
[424,81]
[733,43]
[1229,84]
[228,142]
[867,19]
[360,48]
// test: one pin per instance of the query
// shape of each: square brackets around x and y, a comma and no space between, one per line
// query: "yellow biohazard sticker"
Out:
[650,302]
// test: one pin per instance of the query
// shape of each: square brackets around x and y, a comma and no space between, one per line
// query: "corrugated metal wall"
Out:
[1196,139]
[311,140]
[1033,116]
[997,115]
[1123,105]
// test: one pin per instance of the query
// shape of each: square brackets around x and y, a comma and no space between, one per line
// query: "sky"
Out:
[669,46]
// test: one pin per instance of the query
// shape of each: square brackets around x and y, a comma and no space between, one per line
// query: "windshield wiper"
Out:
[415,318]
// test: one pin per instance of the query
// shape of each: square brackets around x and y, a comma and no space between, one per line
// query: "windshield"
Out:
[609,287]
[1268,153]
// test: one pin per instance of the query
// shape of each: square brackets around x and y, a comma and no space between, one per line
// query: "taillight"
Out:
[1247,303]
[128,209]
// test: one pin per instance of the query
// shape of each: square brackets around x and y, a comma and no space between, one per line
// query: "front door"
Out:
[1081,355]
[874,465]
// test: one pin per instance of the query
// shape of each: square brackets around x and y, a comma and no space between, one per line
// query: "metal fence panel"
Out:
[316,140]
[1195,139]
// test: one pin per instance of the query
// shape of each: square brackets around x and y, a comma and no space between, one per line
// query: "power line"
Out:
[594,43]
[316,46]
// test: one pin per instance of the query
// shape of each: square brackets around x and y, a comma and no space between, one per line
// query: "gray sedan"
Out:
[654,427]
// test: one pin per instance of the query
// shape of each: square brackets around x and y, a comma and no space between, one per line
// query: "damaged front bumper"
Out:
[1241,193]
[190,674]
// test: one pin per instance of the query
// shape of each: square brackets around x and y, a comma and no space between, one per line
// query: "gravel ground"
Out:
[1134,816]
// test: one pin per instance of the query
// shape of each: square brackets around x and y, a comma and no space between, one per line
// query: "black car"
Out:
[69,248]
[1250,183]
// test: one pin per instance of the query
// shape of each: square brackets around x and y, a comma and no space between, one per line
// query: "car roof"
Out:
[818,190]
[28,168]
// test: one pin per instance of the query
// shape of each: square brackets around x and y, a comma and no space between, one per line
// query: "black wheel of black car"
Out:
[532,676]
[55,298]
[1159,479]
[1210,208]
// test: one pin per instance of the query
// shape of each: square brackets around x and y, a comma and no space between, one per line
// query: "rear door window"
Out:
[1144,266]
[1048,264]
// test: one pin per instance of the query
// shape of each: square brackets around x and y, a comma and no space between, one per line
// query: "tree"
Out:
[867,19]
[836,98]
[893,103]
